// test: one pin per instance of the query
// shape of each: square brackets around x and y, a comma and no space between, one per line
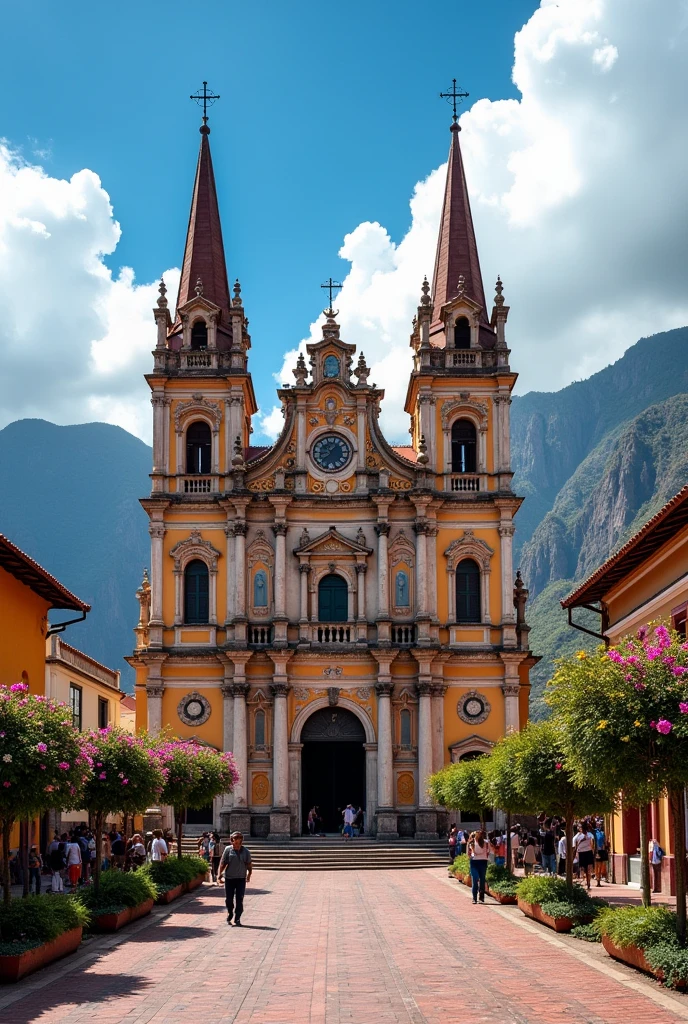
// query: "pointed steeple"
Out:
[457,251]
[204,254]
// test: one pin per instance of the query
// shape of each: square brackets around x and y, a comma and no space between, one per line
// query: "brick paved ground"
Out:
[340,948]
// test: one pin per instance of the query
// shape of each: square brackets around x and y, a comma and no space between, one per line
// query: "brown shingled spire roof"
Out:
[457,252]
[204,254]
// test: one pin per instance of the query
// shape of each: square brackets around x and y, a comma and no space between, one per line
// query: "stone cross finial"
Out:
[236,301]
[162,301]
[362,371]
[300,371]
[238,459]
[199,287]
[499,287]
[423,451]
[462,285]
[425,296]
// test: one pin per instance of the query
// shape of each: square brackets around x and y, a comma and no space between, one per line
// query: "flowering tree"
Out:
[461,785]
[42,764]
[625,713]
[194,776]
[500,789]
[125,775]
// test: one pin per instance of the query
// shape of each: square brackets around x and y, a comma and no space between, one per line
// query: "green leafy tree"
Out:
[42,764]
[125,776]
[194,776]
[500,784]
[625,724]
[461,786]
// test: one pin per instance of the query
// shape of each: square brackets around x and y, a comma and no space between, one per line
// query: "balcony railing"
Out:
[195,484]
[198,360]
[404,633]
[333,634]
[259,636]
[464,482]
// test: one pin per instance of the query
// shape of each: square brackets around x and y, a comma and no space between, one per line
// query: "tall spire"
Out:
[457,251]
[204,254]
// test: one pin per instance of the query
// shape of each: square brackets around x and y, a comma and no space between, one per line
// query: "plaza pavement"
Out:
[342,947]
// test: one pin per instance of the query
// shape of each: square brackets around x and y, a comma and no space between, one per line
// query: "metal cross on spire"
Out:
[204,98]
[452,96]
[331,287]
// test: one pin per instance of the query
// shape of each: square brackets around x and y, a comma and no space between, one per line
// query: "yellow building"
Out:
[27,594]
[337,610]
[646,580]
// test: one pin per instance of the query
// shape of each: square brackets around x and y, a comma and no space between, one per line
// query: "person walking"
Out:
[601,853]
[561,855]
[584,845]
[158,846]
[452,840]
[55,859]
[549,856]
[349,816]
[529,856]
[35,868]
[73,858]
[656,857]
[236,867]
[478,853]
[215,851]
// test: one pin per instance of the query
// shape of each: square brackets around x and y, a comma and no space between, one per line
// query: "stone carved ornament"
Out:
[197,404]
[194,709]
[473,707]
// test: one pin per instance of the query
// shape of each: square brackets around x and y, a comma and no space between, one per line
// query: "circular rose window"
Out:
[194,709]
[473,708]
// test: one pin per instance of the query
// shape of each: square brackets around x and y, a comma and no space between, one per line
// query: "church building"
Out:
[338,610]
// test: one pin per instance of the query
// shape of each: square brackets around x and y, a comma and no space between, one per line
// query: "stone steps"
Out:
[332,853]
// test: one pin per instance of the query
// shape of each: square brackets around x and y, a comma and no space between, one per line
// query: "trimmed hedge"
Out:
[30,922]
[652,929]
[167,874]
[461,865]
[556,899]
[118,891]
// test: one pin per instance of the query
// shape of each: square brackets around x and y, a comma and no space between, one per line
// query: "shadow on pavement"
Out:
[171,933]
[82,985]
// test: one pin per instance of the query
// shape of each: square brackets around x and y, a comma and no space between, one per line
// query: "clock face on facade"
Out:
[194,709]
[473,707]
[332,452]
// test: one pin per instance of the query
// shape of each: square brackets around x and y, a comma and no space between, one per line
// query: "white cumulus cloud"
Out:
[578,196]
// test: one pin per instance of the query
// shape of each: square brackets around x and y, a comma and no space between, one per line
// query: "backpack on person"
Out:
[57,858]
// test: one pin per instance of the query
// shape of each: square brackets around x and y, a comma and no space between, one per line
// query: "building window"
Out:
[331,366]
[198,446]
[405,719]
[462,333]
[678,619]
[260,589]
[199,335]
[196,610]
[467,591]
[463,447]
[333,599]
[103,713]
[260,729]
[75,704]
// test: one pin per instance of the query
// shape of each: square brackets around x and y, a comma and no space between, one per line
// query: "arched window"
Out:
[463,447]
[462,333]
[401,589]
[333,599]
[260,729]
[199,335]
[196,611]
[405,720]
[198,446]
[260,589]
[331,366]
[467,591]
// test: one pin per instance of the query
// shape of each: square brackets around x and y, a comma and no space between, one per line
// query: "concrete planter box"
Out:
[113,922]
[195,882]
[171,894]
[12,968]
[634,956]
[559,924]
[501,898]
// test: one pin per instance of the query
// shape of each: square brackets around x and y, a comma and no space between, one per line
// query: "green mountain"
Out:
[598,459]
[70,500]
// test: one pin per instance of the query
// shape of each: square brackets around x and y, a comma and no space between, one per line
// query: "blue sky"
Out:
[328,128]
[328,117]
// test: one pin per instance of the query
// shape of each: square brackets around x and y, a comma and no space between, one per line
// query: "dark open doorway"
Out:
[333,767]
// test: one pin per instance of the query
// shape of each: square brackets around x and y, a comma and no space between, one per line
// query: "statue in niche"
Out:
[260,589]
[402,590]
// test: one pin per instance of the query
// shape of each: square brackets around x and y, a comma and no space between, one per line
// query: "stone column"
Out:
[240,818]
[240,619]
[426,816]
[157,533]
[438,691]
[383,618]
[158,403]
[280,586]
[431,553]
[511,689]
[230,581]
[154,692]
[362,622]
[280,824]
[422,613]
[296,810]
[227,689]
[506,536]
[386,815]
[371,787]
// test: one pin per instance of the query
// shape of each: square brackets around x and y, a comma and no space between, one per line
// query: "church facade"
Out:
[337,610]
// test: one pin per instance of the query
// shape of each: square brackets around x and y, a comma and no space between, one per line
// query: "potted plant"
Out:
[553,903]
[35,931]
[119,899]
[645,938]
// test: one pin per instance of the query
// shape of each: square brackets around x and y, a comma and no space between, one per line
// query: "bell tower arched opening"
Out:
[333,766]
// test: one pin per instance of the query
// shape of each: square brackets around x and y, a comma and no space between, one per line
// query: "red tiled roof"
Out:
[204,254]
[406,451]
[87,657]
[27,571]
[255,451]
[128,702]
[457,250]
[657,531]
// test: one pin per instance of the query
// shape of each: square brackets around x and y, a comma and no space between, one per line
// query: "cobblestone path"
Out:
[358,947]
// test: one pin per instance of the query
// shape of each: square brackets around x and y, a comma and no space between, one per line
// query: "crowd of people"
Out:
[541,848]
[69,858]
[352,821]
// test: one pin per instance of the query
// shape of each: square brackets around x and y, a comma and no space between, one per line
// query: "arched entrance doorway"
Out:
[333,768]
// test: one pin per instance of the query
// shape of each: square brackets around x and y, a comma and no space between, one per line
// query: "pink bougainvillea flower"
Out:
[663,635]
[683,708]
[7,785]
[125,782]
[642,633]
[653,652]
[18,687]
[653,725]
[616,657]
[669,659]
[679,670]
[64,765]
[102,775]
[42,766]
[664,726]
[41,747]
[639,686]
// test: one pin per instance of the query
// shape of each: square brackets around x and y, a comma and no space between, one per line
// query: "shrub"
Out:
[637,926]
[174,871]
[671,959]
[505,887]
[496,873]
[586,932]
[118,891]
[461,865]
[27,923]
[557,899]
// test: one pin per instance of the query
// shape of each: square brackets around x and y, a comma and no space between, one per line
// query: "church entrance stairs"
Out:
[332,853]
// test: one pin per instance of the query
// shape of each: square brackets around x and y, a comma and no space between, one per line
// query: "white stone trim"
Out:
[324,702]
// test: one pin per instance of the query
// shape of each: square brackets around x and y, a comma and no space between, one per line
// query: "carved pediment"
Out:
[333,542]
[185,551]
[195,406]
[468,546]
[197,303]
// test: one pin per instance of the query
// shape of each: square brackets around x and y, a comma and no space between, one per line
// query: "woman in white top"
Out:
[478,853]
[158,846]
[584,846]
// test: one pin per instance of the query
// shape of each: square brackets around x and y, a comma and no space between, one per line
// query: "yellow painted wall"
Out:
[23,621]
